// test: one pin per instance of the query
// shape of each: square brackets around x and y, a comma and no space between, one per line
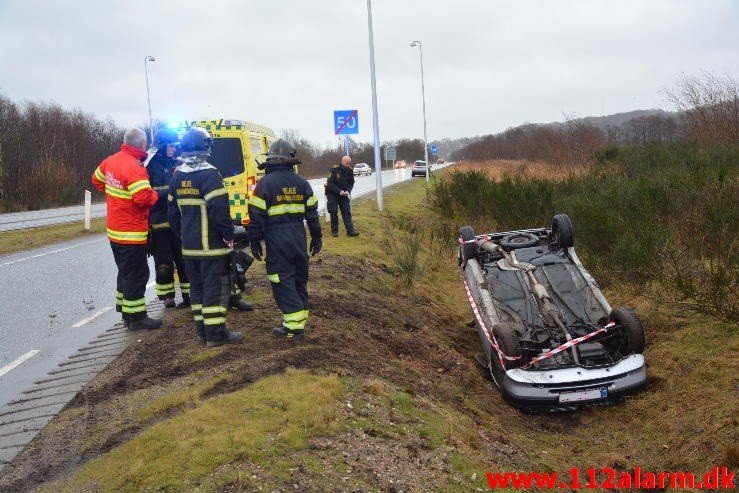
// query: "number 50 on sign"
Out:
[346,122]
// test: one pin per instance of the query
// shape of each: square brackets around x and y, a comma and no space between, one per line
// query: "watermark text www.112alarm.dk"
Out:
[606,477]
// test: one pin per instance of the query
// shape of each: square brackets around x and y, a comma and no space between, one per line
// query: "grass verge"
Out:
[382,396]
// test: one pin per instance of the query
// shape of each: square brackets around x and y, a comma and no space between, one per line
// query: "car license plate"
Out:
[584,395]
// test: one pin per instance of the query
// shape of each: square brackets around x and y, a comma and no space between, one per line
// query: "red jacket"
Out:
[129,195]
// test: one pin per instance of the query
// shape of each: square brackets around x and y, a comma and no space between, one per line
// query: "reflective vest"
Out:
[128,194]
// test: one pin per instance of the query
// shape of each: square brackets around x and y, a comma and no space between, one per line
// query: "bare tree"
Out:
[711,106]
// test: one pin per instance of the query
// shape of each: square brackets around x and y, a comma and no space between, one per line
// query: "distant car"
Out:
[362,169]
[550,339]
[400,164]
[419,169]
[439,161]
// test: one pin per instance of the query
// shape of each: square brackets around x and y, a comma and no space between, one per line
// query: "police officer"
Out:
[338,188]
[198,211]
[282,200]
[165,245]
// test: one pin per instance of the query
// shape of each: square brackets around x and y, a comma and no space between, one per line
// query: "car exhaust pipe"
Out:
[551,314]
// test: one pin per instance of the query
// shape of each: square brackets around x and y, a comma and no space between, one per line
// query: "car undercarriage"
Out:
[550,338]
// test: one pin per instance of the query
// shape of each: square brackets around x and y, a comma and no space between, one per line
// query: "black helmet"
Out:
[165,136]
[196,140]
[280,149]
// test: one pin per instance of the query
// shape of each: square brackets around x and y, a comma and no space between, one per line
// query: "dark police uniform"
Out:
[340,178]
[165,245]
[281,201]
[198,209]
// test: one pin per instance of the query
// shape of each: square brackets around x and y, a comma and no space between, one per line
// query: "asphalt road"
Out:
[56,299]
[24,220]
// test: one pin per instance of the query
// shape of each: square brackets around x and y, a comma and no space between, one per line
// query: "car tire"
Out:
[632,330]
[466,250]
[562,235]
[519,240]
[510,346]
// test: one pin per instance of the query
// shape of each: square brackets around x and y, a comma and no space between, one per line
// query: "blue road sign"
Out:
[434,150]
[346,122]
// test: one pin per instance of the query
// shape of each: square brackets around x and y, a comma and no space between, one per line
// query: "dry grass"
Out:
[498,168]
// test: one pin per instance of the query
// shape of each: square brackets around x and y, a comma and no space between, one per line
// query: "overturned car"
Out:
[551,340]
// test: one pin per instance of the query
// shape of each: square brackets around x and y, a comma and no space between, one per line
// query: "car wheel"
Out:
[630,338]
[467,250]
[519,240]
[562,231]
[510,346]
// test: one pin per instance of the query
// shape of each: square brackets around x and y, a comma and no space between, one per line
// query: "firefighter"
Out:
[282,200]
[164,244]
[338,188]
[129,197]
[197,207]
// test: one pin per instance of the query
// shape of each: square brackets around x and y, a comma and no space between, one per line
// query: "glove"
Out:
[256,250]
[315,245]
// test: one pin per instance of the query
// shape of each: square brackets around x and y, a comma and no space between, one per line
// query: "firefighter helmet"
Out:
[196,140]
[280,149]
[165,136]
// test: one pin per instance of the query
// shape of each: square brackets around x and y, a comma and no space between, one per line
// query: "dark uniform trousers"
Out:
[167,250]
[334,203]
[287,270]
[133,273]
[210,289]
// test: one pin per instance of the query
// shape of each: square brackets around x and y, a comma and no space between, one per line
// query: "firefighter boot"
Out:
[147,323]
[288,333]
[222,335]
[200,331]
[237,303]
[185,301]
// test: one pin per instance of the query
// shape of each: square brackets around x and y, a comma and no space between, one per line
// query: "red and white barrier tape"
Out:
[501,355]
[568,344]
[488,333]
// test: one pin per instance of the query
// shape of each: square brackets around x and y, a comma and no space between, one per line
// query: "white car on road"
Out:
[362,169]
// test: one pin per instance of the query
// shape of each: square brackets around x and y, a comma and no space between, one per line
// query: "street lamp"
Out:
[423,98]
[149,58]
[375,124]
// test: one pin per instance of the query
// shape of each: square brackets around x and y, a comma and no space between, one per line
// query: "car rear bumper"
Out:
[569,388]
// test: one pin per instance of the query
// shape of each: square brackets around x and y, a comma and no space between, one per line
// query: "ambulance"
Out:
[236,146]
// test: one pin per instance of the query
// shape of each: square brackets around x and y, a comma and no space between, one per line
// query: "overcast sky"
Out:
[488,64]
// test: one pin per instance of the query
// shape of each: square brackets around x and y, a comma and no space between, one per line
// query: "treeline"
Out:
[707,111]
[47,153]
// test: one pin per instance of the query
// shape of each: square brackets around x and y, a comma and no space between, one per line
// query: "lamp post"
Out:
[375,124]
[149,58]
[423,98]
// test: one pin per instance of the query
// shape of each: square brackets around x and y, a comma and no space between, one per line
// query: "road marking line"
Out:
[18,361]
[92,317]
[47,253]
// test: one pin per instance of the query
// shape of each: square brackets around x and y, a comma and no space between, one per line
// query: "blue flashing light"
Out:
[174,125]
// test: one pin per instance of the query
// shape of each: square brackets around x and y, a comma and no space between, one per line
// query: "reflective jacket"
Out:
[197,208]
[282,198]
[128,194]
[160,169]
[340,178]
